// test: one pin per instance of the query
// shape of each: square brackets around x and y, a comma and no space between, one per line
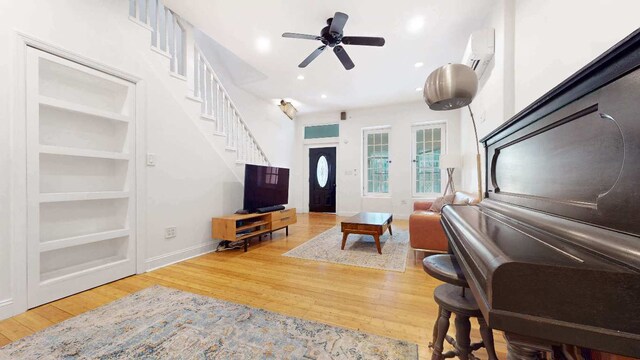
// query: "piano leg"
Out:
[524,348]
[443,326]
[487,338]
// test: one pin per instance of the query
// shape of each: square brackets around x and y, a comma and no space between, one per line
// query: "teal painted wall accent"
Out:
[321,131]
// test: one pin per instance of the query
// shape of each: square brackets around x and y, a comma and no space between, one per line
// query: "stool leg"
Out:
[463,336]
[442,326]
[487,338]
[435,333]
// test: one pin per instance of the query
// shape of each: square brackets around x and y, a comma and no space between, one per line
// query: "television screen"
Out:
[265,186]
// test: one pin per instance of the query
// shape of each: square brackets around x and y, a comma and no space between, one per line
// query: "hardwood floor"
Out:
[397,305]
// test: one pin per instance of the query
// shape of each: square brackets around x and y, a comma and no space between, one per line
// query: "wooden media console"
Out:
[238,227]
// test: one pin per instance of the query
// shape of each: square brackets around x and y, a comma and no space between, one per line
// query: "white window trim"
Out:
[365,165]
[444,141]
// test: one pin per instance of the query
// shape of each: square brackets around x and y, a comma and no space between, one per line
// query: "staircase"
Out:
[172,37]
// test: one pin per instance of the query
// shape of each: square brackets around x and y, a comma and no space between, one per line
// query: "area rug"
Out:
[360,250]
[163,323]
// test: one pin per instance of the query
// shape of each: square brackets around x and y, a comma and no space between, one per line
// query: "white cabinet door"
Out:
[80,177]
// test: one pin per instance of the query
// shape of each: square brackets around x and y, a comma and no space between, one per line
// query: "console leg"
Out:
[286,231]
[377,239]
[344,239]
[390,231]
[246,244]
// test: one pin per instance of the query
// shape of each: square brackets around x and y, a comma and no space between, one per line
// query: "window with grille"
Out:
[428,144]
[376,161]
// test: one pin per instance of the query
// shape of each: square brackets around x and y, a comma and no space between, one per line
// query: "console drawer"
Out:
[282,214]
[278,224]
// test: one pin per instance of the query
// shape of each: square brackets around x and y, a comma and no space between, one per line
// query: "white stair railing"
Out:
[218,107]
[169,38]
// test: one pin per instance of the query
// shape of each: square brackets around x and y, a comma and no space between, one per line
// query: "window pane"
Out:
[427,175]
[376,160]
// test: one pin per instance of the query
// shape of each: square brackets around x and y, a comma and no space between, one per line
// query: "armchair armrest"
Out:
[422,205]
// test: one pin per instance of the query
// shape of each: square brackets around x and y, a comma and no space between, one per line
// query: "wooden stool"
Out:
[453,298]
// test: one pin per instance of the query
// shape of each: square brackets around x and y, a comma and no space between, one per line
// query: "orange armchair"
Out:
[425,232]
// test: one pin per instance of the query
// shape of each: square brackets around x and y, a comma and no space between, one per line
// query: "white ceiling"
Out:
[382,75]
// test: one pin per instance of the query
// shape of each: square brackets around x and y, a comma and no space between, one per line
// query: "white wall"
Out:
[273,130]
[349,157]
[494,102]
[554,39]
[539,43]
[190,182]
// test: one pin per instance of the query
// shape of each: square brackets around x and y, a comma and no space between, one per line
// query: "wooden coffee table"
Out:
[367,223]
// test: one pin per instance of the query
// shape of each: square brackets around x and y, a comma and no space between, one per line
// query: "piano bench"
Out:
[459,301]
[455,297]
[444,267]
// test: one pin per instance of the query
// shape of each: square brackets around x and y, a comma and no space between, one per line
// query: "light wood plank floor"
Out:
[397,305]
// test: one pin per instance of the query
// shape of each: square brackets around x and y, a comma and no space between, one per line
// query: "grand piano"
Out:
[552,253]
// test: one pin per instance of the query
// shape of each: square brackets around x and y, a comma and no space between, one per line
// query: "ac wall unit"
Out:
[480,50]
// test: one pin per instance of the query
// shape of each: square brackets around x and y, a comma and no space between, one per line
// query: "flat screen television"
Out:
[265,186]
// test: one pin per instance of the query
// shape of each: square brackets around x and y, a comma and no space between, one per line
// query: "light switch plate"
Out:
[151,159]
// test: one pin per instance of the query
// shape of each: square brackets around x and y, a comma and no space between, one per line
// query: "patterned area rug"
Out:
[163,323]
[359,251]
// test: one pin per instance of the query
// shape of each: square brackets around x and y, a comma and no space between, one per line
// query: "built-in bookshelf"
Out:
[81,170]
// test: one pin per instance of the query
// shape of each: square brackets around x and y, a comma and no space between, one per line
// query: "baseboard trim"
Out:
[160,261]
[6,308]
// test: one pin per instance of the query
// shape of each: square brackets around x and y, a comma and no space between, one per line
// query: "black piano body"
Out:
[553,251]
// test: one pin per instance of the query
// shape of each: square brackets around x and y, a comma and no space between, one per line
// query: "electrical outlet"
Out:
[170,232]
[151,159]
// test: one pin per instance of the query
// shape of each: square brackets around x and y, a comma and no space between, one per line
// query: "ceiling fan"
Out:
[332,36]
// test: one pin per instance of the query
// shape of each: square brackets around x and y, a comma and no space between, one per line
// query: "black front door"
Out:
[322,179]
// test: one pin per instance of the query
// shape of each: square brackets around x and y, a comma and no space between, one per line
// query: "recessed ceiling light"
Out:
[418,64]
[415,24]
[263,44]
[418,89]
[300,77]
[323,96]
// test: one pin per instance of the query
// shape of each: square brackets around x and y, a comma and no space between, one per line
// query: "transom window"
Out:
[376,161]
[428,145]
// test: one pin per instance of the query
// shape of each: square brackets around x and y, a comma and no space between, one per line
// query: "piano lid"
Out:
[575,152]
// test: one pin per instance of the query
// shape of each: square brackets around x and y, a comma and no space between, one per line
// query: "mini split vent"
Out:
[479,51]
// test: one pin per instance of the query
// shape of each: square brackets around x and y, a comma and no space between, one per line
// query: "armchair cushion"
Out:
[422,205]
[440,202]
[425,231]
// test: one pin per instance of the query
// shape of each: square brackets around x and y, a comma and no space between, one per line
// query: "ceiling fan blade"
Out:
[300,36]
[344,58]
[363,40]
[312,56]
[338,22]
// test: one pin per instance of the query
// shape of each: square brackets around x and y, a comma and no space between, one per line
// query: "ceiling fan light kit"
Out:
[332,36]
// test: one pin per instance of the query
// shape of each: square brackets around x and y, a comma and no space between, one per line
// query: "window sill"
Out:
[377,196]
